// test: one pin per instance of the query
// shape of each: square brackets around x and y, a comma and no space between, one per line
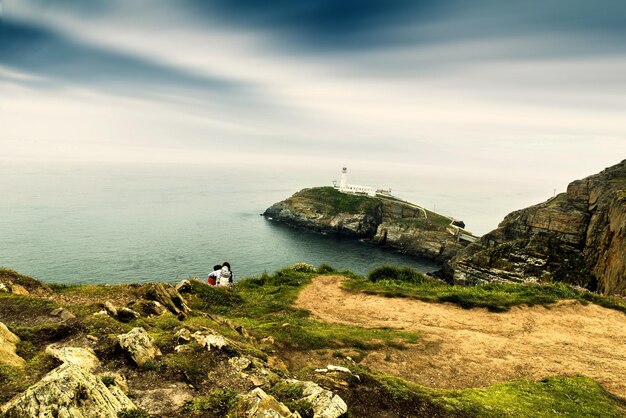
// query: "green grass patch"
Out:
[496,297]
[218,403]
[265,307]
[331,200]
[576,396]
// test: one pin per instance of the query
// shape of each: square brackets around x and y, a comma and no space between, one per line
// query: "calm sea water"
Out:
[78,223]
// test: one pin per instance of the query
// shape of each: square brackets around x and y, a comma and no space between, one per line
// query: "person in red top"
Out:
[214,276]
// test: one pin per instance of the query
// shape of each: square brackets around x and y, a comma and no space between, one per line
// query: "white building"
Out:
[352,188]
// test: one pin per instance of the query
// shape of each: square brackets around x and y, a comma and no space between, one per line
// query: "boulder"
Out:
[63,313]
[325,403]
[127,314]
[148,307]
[210,340]
[138,344]
[8,345]
[68,391]
[168,297]
[184,286]
[110,308]
[239,363]
[258,404]
[84,358]
[18,289]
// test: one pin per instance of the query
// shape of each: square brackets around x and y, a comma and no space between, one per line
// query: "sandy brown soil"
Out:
[462,348]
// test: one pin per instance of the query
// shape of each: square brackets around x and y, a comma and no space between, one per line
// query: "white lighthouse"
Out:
[343,184]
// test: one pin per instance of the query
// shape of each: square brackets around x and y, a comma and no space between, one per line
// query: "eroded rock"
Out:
[210,340]
[139,345]
[258,404]
[8,345]
[68,391]
[325,403]
[169,298]
[84,358]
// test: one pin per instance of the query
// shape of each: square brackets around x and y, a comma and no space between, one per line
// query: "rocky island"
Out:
[382,220]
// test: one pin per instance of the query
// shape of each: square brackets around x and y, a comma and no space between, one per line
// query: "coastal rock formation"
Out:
[325,403]
[578,237]
[382,220]
[8,344]
[68,391]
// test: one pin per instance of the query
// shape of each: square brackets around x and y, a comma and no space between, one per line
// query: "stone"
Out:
[239,363]
[169,298]
[258,380]
[210,340]
[277,363]
[342,369]
[127,314]
[184,286]
[8,345]
[139,345]
[4,288]
[63,313]
[183,336]
[325,403]
[92,338]
[268,340]
[110,308]
[258,404]
[148,307]
[18,289]
[69,392]
[82,357]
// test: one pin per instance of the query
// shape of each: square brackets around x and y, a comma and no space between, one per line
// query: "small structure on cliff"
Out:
[351,188]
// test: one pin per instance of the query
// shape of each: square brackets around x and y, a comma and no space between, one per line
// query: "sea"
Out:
[122,222]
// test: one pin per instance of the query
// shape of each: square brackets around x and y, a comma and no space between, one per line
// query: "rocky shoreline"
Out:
[391,223]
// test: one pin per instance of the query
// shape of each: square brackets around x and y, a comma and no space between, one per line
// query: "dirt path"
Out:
[462,348]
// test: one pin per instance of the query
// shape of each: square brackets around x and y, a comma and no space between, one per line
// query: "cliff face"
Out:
[578,237]
[392,223]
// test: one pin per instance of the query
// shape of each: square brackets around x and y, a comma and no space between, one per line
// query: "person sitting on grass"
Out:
[226,275]
[214,276]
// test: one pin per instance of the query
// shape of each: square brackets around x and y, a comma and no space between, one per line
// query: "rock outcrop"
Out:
[8,344]
[84,358]
[325,403]
[139,345]
[68,391]
[258,404]
[578,237]
[385,221]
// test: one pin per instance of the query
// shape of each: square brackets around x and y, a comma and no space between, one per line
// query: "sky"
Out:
[481,88]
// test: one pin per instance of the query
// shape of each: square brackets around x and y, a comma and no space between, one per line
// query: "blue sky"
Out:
[490,86]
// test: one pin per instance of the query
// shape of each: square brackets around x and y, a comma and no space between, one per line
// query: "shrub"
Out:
[133,413]
[216,404]
[325,268]
[404,274]
[303,268]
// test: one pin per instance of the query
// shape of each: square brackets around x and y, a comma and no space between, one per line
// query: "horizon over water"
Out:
[113,223]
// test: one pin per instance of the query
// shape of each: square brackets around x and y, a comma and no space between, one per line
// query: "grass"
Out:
[576,396]
[264,305]
[335,202]
[218,403]
[496,297]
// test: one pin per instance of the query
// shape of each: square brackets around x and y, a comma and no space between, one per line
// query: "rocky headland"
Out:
[577,237]
[385,221]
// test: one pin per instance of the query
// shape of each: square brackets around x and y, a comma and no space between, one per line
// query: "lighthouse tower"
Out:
[343,184]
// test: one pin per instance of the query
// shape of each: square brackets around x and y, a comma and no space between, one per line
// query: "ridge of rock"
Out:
[578,237]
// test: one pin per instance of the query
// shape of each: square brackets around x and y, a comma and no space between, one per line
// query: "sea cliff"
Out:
[386,221]
[578,237]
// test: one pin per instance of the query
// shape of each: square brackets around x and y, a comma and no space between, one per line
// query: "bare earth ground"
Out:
[461,348]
